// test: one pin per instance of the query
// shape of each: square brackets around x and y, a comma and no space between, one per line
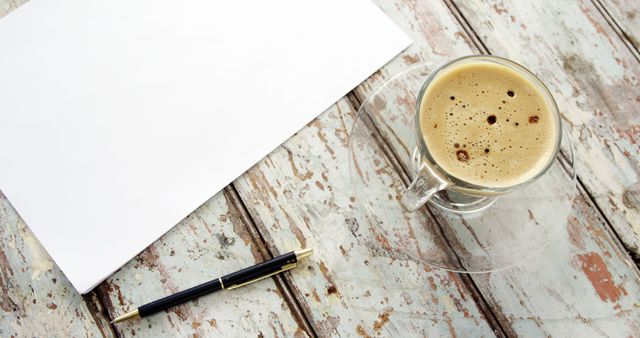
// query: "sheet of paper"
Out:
[118,118]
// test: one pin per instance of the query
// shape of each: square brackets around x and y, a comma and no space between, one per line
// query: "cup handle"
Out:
[424,185]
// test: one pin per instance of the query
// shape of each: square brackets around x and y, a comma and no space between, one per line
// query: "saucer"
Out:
[496,234]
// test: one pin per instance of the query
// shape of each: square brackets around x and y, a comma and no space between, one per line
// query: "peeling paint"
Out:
[596,271]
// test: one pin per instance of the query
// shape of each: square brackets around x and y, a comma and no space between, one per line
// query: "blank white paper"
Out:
[118,118]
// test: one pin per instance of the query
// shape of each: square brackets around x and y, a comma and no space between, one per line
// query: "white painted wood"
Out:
[626,14]
[36,299]
[356,284]
[565,265]
[595,80]
[211,242]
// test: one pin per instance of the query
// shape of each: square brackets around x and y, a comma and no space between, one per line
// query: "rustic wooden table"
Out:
[586,284]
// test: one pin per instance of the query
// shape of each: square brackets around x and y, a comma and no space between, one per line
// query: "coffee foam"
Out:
[486,124]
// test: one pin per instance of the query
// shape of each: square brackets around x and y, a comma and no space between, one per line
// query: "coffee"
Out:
[487,124]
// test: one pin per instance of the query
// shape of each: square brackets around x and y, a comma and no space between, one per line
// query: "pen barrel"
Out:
[236,278]
[179,298]
[259,270]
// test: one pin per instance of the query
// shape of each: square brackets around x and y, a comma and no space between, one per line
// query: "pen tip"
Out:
[127,316]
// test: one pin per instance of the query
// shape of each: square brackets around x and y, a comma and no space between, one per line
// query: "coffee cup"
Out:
[485,126]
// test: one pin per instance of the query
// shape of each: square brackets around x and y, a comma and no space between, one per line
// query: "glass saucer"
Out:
[500,233]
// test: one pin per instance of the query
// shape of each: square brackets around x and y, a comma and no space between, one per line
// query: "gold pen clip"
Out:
[282,269]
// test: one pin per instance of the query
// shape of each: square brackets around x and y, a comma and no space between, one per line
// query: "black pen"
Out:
[229,282]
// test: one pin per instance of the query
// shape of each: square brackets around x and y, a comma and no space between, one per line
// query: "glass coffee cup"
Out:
[466,175]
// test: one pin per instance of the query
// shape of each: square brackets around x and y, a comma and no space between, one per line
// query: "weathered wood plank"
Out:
[594,78]
[583,284]
[339,307]
[210,242]
[7,6]
[36,299]
[355,284]
[425,31]
[626,15]
[554,269]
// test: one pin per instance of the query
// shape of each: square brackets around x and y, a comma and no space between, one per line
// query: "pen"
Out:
[231,281]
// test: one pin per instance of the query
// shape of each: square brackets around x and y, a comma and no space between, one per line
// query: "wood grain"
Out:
[210,242]
[594,79]
[626,16]
[583,284]
[563,263]
[355,284]
[36,299]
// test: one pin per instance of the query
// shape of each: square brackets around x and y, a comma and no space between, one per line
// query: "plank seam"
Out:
[479,44]
[469,283]
[622,34]
[617,239]
[466,26]
[283,280]
[615,236]
[103,311]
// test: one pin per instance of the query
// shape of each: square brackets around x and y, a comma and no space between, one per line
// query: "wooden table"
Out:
[587,284]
